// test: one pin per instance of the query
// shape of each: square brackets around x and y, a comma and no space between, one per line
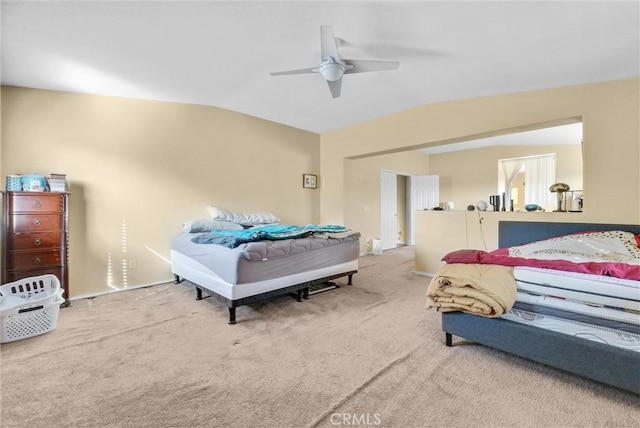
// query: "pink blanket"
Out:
[613,253]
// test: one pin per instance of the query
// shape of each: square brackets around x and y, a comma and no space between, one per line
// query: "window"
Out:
[526,180]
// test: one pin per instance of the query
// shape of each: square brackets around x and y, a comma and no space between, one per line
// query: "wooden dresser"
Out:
[35,236]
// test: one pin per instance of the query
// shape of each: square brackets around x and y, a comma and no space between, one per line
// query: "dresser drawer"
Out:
[35,240]
[34,222]
[33,259]
[48,202]
[15,275]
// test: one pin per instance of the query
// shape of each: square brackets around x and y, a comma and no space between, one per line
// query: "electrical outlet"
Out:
[133,264]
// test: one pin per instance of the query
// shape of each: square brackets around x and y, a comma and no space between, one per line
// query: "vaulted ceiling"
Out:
[220,53]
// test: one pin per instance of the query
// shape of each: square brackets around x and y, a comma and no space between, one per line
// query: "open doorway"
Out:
[401,195]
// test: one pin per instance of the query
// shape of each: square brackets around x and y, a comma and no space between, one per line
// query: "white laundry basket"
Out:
[29,307]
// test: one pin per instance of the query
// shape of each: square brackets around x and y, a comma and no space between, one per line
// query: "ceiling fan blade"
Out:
[300,71]
[332,66]
[335,87]
[328,46]
[363,65]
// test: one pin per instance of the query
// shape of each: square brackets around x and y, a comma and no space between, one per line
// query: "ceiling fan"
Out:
[332,66]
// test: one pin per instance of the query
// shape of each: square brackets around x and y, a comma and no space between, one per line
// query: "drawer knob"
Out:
[36,260]
[37,203]
[37,241]
[37,222]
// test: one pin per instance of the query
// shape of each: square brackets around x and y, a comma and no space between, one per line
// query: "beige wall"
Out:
[610,112]
[468,176]
[138,169]
[441,232]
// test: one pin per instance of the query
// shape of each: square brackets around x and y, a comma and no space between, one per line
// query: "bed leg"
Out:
[448,339]
[232,315]
[350,281]
[198,293]
[300,295]
[177,279]
[305,293]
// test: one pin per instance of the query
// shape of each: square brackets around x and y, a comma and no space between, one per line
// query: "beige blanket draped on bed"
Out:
[487,290]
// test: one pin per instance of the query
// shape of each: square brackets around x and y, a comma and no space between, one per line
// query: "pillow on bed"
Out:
[207,225]
[243,219]
[463,256]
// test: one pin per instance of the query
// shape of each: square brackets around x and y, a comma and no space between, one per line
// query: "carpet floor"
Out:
[368,354]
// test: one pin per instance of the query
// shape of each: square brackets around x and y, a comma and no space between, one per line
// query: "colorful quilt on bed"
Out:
[612,253]
[233,238]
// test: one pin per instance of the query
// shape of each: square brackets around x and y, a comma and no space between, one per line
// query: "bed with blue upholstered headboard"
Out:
[594,360]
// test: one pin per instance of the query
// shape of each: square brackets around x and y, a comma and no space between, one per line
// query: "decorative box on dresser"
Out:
[35,236]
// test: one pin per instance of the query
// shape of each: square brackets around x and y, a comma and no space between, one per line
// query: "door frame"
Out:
[409,202]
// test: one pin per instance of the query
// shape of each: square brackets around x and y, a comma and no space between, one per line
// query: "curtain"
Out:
[509,169]
[540,174]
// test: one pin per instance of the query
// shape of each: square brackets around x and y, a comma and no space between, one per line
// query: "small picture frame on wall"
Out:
[309,181]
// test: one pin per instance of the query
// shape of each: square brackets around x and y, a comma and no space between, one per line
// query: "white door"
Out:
[388,210]
[423,193]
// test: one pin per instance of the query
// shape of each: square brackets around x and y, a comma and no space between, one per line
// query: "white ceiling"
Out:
[220,53]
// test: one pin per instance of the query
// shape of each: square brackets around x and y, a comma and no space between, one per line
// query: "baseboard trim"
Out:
[104,293]
[421,273]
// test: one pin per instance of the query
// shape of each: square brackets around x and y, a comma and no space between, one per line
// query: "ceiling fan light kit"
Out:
[331,69]
[332,66]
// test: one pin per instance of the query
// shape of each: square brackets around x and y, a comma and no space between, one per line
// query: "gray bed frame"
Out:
[593,360]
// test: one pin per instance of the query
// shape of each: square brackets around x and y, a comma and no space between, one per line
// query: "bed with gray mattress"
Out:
[256,271]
